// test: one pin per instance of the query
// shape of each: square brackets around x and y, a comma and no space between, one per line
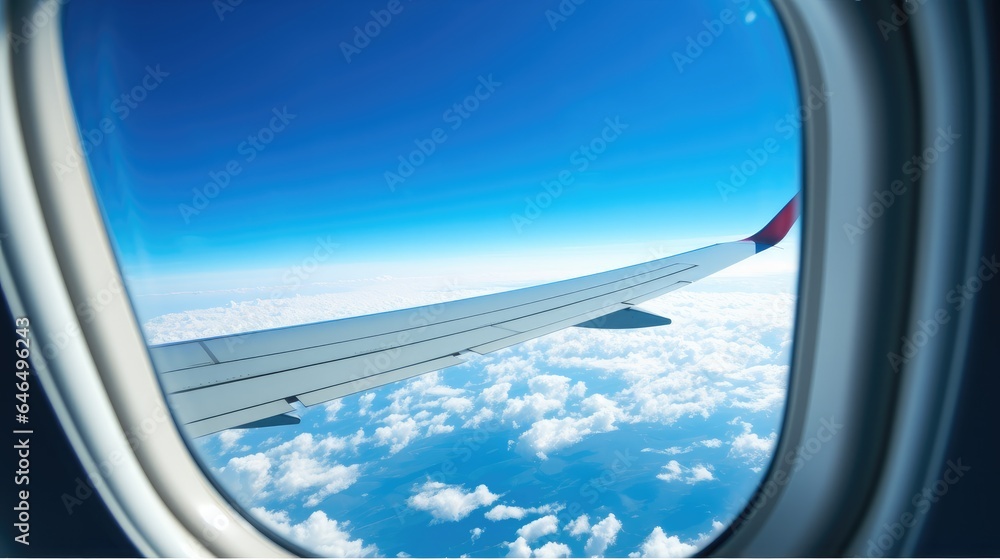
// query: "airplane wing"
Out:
[251,379]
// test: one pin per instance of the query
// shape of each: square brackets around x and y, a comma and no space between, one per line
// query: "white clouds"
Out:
[427,391]
[247,477]
[317,533]
[475,533]
[400,430]
[495,394]
[520,549]
[552,386]
[365,403]
[725,350]
[450,502]
[765,388]
[298,473]
[548,435]
[509,368]
[420,408]
[484,415]
[531,407]
[398,433]
[723,355]
[553,550]
[539,528]
[309,444]
[436,425]
[673,471]
[552,434]
[658,401]
[457,405]
[752,448]
[357,439]
[579,526]
[659,545]
[672,450]
[301,465]
[707,536]
[602,535]
[332,408]
[501,512]
[700,473]
[229,438]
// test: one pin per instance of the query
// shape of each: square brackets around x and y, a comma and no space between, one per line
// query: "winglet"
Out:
[778,227]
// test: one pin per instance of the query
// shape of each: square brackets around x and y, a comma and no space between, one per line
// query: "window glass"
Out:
[261,165]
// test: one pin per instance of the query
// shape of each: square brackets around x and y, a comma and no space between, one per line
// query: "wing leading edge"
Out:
[252,379]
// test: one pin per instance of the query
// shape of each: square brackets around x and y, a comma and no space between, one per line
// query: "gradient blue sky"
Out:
[324,175]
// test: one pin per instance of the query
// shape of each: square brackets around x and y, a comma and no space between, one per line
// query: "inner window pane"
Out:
[261,165]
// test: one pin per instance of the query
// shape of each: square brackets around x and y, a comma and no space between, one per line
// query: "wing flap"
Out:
[220,398]
[342,390]
[179,356]
[205,426]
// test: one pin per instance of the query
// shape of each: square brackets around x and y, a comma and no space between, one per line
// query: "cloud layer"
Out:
[723,358]
[448,502]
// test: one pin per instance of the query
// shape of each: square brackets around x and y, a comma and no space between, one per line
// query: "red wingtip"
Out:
[778,227]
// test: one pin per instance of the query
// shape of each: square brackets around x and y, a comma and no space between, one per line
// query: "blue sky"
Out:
[324,173]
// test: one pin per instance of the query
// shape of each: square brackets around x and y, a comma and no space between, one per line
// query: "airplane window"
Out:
[452,278]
